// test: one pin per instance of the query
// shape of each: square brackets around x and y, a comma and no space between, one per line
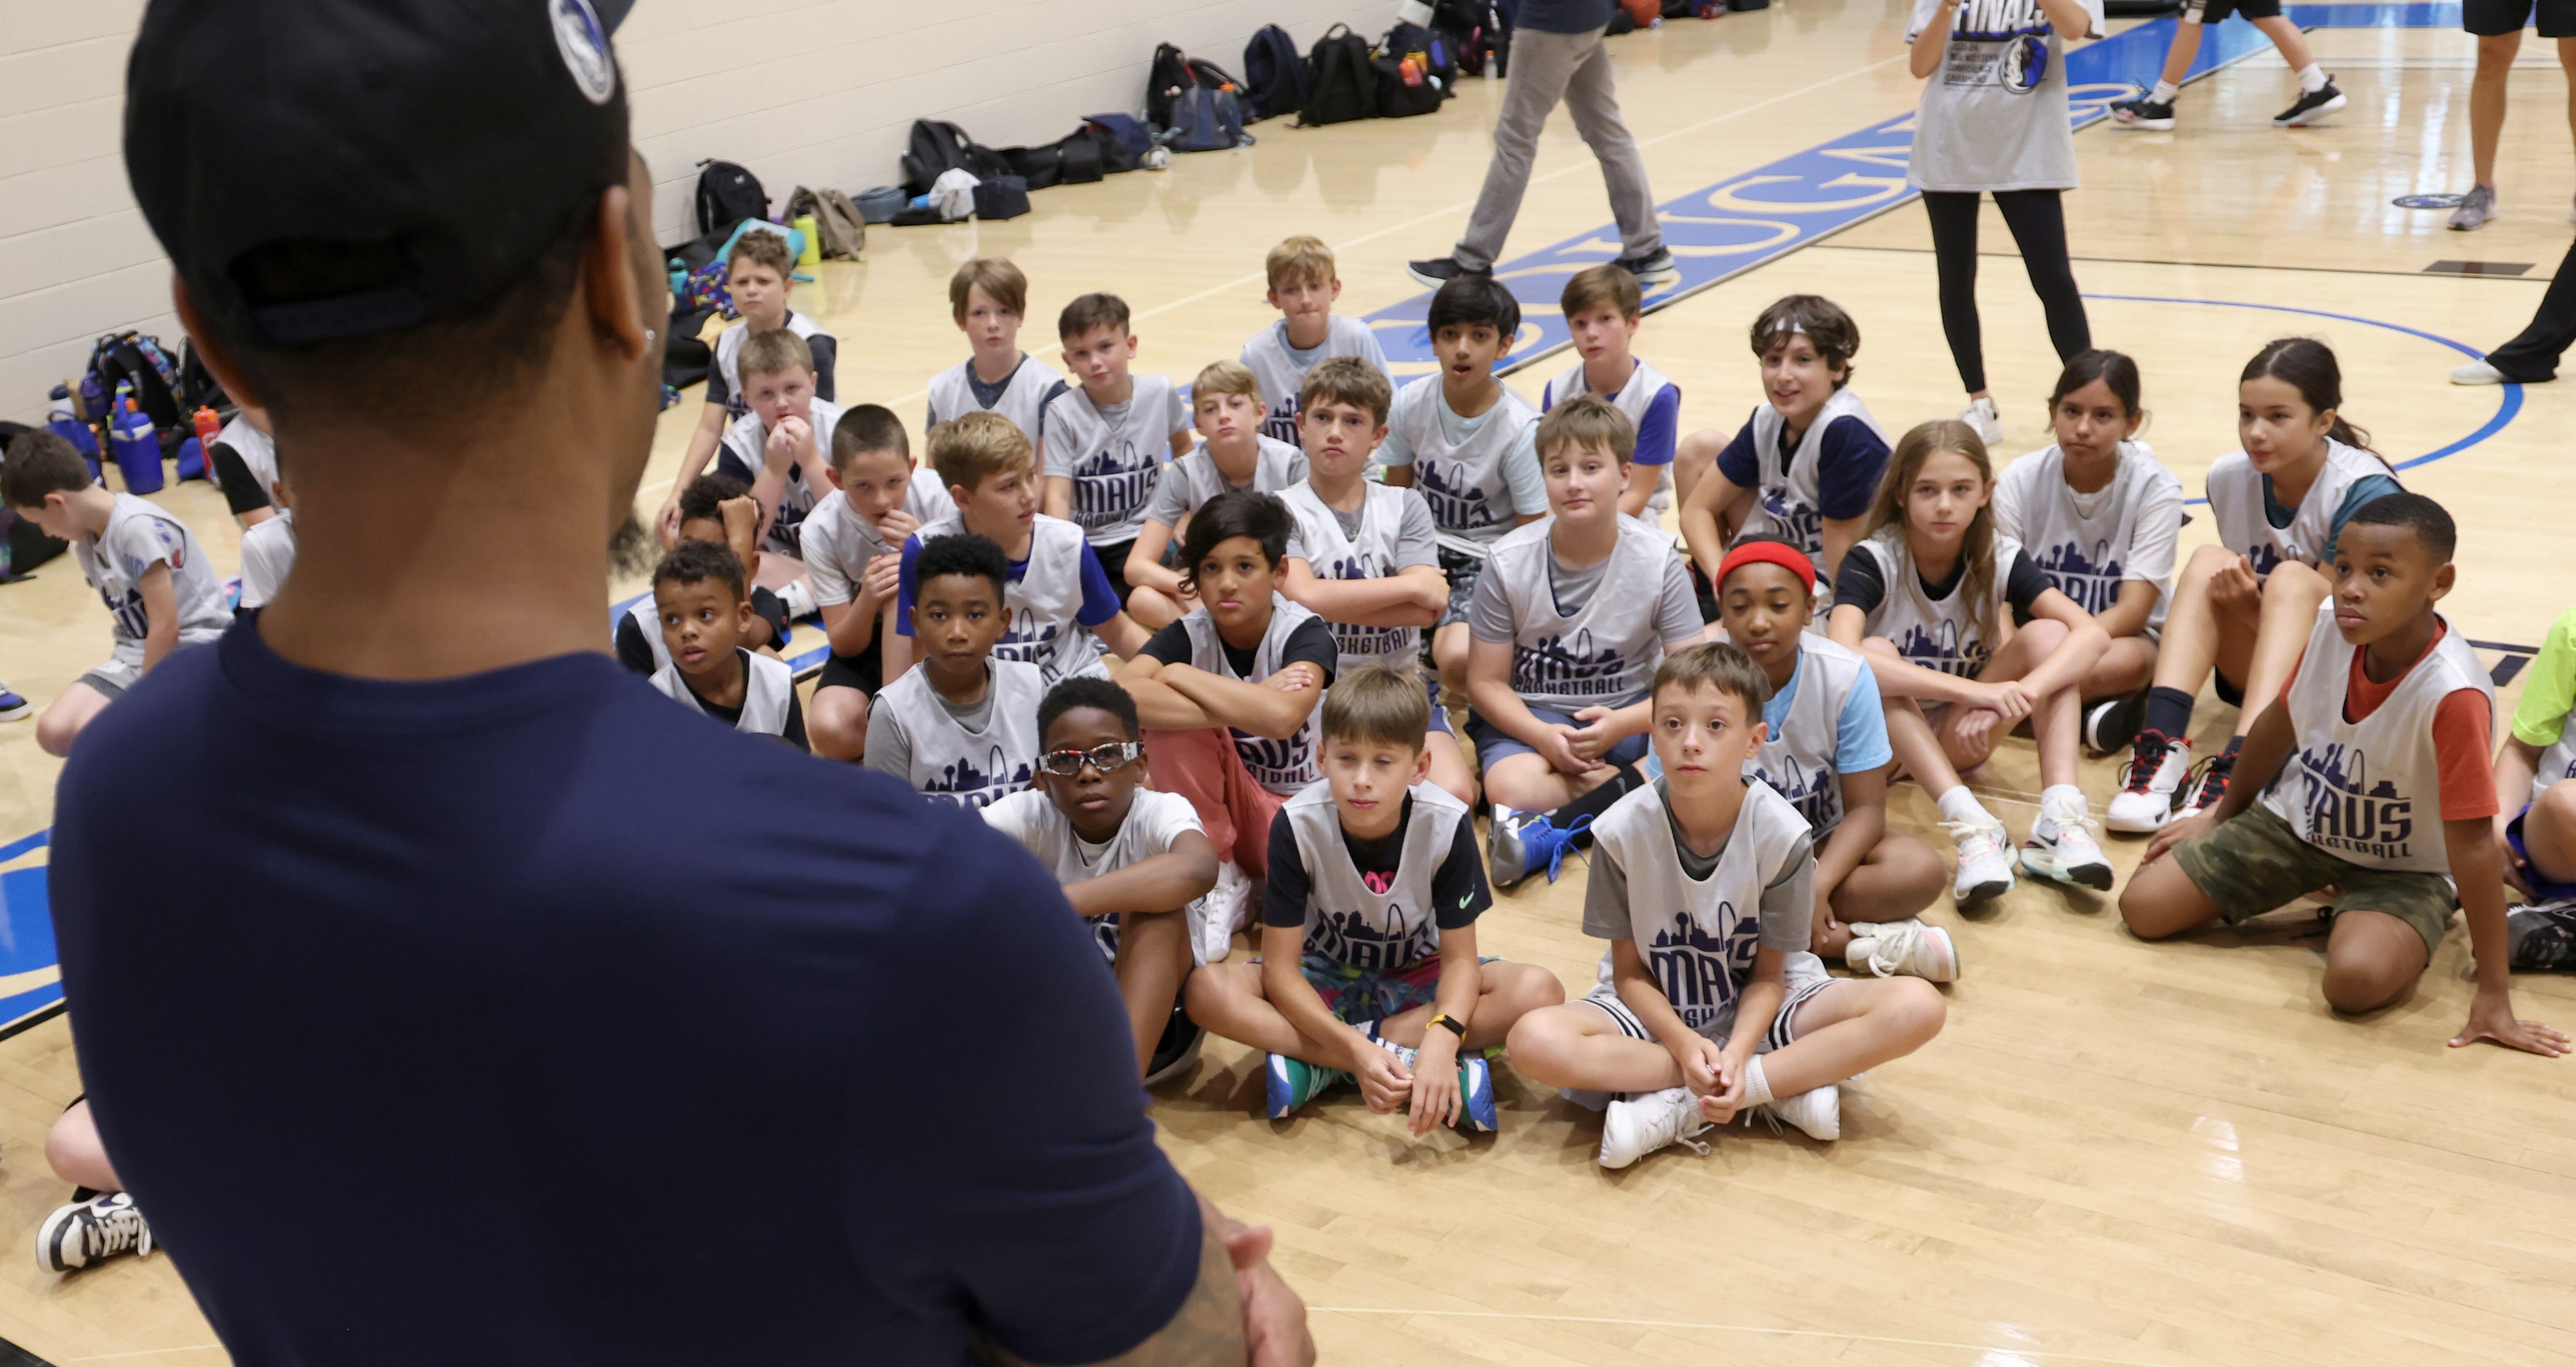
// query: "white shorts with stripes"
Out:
[1805,975]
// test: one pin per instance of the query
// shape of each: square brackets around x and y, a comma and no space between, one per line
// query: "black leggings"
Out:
[2038,224]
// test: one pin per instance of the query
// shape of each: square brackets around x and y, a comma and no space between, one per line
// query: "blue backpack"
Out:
[1205,120]
[1275,75]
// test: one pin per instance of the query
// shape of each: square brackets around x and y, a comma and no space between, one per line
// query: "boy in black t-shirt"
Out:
[706,614]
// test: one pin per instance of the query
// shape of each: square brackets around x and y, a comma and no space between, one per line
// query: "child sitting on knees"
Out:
[706,614]
[1924,598]
[1711,1004]
[2381,726]
[1570,617]
[2535,779]
[1368,964]
[2245,607]
[1366,556]
[1133,862]
[1233,453]
[1825,749]
[851,542]
[963,723]
[717,510]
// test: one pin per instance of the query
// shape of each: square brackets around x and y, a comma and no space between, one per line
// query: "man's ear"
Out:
[624,312]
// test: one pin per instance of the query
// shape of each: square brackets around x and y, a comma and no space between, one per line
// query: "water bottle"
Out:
[208,425]
[64,421]
[137,449]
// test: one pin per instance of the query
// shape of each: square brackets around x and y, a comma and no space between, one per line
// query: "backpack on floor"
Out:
[1039,166]
[1001,197]
[1124,140]
[1206,121]
[1479,34]
[1274,75]
[685,359]
[1165,79]
[838,228]
[138,360]
[1412,72]
[1079,159]
[1344,87]
[728,194]
[937,146]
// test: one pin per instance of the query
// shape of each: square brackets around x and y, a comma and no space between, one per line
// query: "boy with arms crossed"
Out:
[1134,862]
[1368,963]
[989,297]
[1602,309]
[962,724]
[706,615]
[2382,726]
[1303,287]
[760,274]
[1710,1003]
[1106,437]
[1234,453]
[879,498]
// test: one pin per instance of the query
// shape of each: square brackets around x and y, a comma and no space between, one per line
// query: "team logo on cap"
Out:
[584,45]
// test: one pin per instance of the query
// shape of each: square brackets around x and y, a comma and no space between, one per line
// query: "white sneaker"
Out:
[2477,372]
[1816,1112]
[1229,908]
[1985,869]
[1888,948]
[1631,1128]
[2062,847]
[798,598]
[1981,415]
[2155,770]
[89,1232]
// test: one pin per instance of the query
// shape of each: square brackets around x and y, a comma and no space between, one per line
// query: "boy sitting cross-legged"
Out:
[1570,617]
[1233,453]
[1366,556]
[760,273]
[963,723]
[706,615]
[2380,734]
[1134,862]
[879,498]
[1059,605]
[1710,1004]
[718,510]
[1106,439]
[1368,963]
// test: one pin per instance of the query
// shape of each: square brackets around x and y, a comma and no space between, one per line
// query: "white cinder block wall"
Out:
[813,92]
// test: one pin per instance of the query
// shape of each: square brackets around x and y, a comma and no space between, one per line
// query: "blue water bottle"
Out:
[64,422]
[137,450]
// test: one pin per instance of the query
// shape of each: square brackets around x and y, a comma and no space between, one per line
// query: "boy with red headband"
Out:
[1825,749]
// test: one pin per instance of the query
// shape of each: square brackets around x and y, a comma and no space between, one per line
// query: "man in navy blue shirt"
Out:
[445,995]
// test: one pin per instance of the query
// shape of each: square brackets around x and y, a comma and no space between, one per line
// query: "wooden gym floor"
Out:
[2116,1153]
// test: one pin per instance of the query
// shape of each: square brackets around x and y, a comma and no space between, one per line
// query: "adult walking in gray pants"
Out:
[1557,55]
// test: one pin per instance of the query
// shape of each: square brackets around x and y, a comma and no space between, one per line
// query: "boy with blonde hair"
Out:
[1106,439]
[1234,453]
[1060,603]
[759,274]
[852,542]
[1603,306]
[989,298]
[1303,286]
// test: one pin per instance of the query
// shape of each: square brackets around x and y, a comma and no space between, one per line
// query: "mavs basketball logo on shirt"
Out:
[1561,668]
[1798,522]
[2348,815]
[963,783]
[1028,642]
[1455,506]
[1698,971]
[1817,794]
[1110,484]
[1939,651]
[2094,583]
[1353,940]
[2017,24]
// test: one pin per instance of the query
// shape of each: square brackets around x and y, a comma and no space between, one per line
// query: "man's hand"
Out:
[1435,1082]
[2174,833]
[1274,1319]
[2491,1018]
[1558,749]
[1384,1082]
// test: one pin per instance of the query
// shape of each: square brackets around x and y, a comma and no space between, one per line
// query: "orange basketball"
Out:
[1645,12]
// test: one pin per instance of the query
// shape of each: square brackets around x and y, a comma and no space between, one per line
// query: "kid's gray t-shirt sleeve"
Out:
[1417,536]
[1170,501]
[1059,462]
[1397,449]
[1676,606]
[1605,898]
[1521,474]
[1489,613]
[1179,418]
[889,749]
[1788,903]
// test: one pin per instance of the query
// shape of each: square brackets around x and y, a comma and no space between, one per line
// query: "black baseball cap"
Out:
[329,169]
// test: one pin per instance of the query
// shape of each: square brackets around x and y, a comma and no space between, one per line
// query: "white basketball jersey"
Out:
[138,536]
[1022,400]
[1633,398]
[2236,501]
[728,362]
[1605,653]
[1463,482]
[1277,466]
[1114,464]
[1798,762]
[1282,766]
[1280,377]
[267,556]
[746,439]
[1351,923]
[767,685]
[256,448]
[2371,791]
[648,615]
[1152,819]
[973,768]
[837,542]
[1044,602]
[2084,557]
[1334,554]
[1698,936]
[1941,633]
[1788,501]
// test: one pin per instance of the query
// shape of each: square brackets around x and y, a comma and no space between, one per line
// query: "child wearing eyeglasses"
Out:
[1134,862]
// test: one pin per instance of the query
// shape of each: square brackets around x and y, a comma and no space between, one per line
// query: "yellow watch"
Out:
[1451,1024]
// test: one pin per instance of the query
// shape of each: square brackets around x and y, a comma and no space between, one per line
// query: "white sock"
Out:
[2164,92]
[2312,78]
[1959,804]
[1757,1088]
[2060,797]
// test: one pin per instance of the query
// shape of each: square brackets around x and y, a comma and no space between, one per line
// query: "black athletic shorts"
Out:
[2216,11]
[864,671]
[2495,18]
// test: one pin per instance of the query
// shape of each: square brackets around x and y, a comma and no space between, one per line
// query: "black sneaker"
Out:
[2207,786]
[89,1232]
[1654,270]
[2153,115]
[2111,724]
[2541,937]
[1177,1051]
[2325,99]
[1438,271]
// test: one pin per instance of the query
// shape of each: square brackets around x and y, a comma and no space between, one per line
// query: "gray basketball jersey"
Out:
[1153,821]
[728,361]
[1282,379]
[1196,478]
[2084,557]
[1698,936]
[1282,766]
[2236,502]
[1351,923]
[746,441]
[837,542]
[1463,481]
[1023,400]
[2371,791]
[648,615]
[138,536]
[1787,503]
[1941,633]
[1332,554]
[1798,763]
[1605,653]
[973,768]
[1115,464]
[767,685]
[257,449]
[1633,398]
[1043,602]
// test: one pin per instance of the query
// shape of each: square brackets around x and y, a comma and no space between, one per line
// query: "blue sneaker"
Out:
[13,707]
[1476,1096]
[1294,1082]
[1519,844]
